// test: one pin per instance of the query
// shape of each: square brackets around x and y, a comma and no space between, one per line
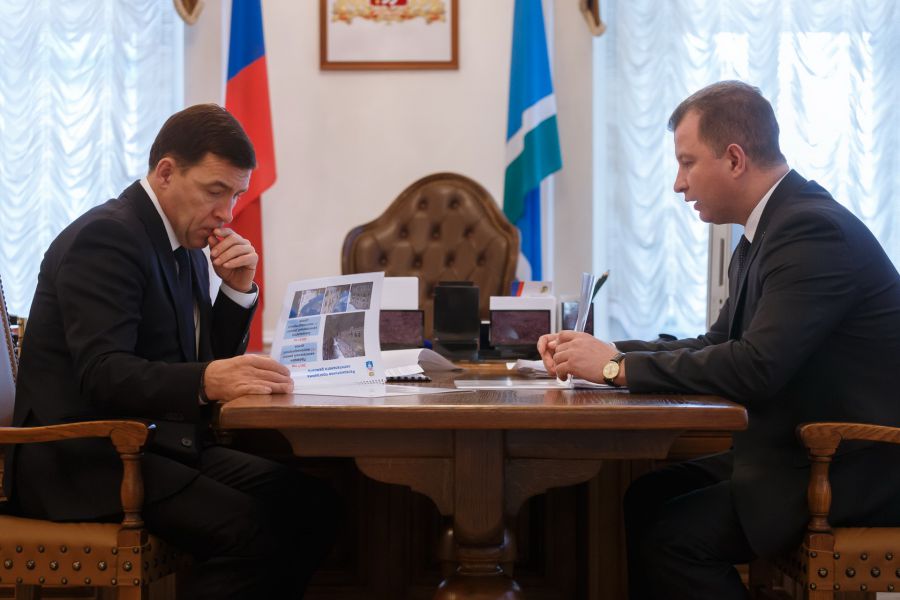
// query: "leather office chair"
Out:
[857,560]
[34,554]
[443,227]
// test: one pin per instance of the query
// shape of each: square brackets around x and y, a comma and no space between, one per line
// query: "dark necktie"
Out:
[740,255]
[185,301]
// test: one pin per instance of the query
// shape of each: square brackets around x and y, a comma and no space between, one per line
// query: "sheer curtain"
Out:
[84,87]
[831,71]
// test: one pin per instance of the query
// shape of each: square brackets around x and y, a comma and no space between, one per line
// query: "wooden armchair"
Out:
[443,227]
[857,560]
[37,554]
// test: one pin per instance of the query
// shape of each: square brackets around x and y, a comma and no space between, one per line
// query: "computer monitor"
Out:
[516,332]
[399,329]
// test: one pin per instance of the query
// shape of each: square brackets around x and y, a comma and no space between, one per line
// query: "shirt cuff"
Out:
[240,298]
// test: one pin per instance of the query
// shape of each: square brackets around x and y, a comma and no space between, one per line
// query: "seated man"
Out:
[122,326]
[810,332]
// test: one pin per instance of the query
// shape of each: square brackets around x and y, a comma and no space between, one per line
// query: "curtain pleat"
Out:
[84,87]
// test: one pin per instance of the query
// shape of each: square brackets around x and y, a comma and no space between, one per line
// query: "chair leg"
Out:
[27,592]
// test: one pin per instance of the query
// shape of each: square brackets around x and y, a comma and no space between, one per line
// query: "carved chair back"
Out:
[443,227]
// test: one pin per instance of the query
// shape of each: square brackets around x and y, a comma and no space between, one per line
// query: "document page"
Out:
[327,333]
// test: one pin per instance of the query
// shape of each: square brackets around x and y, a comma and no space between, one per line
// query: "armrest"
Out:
[128,437]
[124,434]
[824,438]
[822,441]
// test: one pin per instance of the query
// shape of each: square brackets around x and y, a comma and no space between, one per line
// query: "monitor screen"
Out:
[570,315]
[401,329]
[518,327]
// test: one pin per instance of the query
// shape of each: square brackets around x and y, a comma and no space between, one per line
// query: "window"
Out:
[84,87]
[833,80]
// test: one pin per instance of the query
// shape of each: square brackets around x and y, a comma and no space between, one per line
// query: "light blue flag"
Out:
[532,140]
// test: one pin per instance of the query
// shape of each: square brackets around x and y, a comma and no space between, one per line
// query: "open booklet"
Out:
[327,335]
[410,364]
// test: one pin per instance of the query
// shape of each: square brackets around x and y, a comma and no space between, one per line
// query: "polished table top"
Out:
[488,409]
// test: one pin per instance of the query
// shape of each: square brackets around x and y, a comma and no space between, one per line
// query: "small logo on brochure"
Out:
[369,364]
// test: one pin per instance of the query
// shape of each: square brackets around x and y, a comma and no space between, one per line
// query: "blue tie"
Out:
[185,302]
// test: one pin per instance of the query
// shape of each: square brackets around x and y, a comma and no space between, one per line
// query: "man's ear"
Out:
[737,159]
[165,169]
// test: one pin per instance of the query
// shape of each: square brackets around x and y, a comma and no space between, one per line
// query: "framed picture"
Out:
[388,34]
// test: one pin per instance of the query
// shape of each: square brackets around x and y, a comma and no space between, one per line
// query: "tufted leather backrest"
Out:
[7,366]
[443,227]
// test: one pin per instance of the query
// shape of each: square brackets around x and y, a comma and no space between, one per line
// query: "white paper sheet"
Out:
[512,383]
[376,390]
[429,360]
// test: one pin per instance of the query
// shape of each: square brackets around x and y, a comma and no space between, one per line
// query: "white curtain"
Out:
[831,69]
[84,87]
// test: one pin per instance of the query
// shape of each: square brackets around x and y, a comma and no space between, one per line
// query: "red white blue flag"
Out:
[247,98]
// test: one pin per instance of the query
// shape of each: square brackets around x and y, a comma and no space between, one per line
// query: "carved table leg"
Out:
[478,521]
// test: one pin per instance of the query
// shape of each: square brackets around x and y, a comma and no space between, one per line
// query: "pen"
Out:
[599,284]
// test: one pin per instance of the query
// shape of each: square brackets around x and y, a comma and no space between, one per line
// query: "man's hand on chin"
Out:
[233,258]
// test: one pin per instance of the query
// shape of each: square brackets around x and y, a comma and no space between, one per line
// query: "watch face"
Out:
[611,370]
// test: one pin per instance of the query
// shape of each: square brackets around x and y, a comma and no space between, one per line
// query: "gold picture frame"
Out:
[388,34]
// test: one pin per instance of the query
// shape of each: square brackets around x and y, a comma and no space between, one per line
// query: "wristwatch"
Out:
[611,369]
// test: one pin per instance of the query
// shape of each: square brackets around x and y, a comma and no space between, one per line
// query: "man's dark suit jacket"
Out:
[104,341]
[811,333]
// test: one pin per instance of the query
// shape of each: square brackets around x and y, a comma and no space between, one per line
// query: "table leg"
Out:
[478,521]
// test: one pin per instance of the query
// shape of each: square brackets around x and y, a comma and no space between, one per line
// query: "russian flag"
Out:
[247,98]
[532,140]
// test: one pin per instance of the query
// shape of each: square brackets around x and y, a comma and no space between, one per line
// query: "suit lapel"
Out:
[156,231]
[789,186]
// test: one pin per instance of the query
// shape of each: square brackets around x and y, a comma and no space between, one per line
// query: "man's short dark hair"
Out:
[733,112]
[188,135]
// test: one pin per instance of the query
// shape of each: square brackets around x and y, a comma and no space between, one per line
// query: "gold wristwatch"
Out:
[611,369]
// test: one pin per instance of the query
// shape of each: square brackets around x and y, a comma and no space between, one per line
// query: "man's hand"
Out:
[233,259]
[547,348]
[230,378]
[578,354]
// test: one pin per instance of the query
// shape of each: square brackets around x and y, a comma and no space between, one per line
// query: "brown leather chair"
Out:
[36,554]
[443,227]
[833,560]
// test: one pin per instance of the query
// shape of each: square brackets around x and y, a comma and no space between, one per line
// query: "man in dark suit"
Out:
[122,326]
[810,332]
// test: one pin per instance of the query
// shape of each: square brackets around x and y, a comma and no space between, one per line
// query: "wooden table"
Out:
[480,455]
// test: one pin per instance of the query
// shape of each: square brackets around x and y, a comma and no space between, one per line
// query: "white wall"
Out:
[347,143]
[573,201]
